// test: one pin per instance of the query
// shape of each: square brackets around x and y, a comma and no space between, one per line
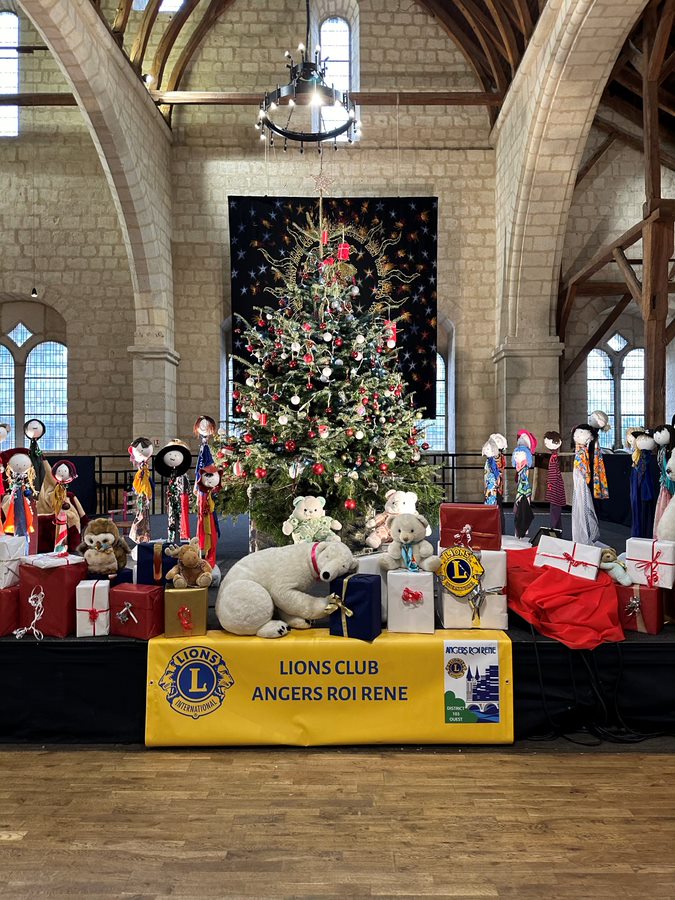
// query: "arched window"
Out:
[46,392]
[9,72]
[600,381]
[436,430]
[7,390]
[615,384]
[335,41]
[168,6]
[633,390]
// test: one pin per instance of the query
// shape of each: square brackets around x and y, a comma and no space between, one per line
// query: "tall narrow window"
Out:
[601,391]
[335,39]
[9,72]
[633,391]
[46,392]
[616,384]
[7,414]
[436,430]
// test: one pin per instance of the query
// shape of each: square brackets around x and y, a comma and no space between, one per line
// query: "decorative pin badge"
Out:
[460,571]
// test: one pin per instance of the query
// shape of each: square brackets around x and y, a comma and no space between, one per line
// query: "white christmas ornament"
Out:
[391,454]
[360,339]
[328,337]
[250,382]
[283,420]
[295,400]
[295,347]
[337,478]
[391,344]
[255,415]
[327,372]
[354,476]
[359,435]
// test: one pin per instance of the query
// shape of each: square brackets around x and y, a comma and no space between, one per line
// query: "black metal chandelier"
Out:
[307,88]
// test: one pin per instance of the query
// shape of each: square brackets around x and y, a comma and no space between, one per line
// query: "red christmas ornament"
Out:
[293,364]
[362,390]
[350,504]
[261,322]
[338,342]
[274,439]
[291,446]
[376,396]
[236,395]
[260,472]
[247,438]
[318,468]
[306,327]
[343,251]
[349,432]
[237,408]
[425,446]
[379,349]
[383,467]
[371,459]
[308,358]
[311,435]
[275,397]
[329,410]
[249,347]
[412,441]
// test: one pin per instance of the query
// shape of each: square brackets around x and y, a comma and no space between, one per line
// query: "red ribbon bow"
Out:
[576,562]
[94,614]
[412,597]
[651,568]
[185,617]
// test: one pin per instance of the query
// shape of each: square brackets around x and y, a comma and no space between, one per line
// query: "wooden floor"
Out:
[291,823]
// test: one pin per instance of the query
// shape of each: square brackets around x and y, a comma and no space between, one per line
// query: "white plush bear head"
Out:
[334,559]
[408,528]
[397,502]
[305,508]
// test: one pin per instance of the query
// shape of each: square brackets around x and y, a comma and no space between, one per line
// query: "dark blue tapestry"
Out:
[394,242]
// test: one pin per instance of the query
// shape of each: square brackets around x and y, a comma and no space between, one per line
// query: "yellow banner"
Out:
[310,688]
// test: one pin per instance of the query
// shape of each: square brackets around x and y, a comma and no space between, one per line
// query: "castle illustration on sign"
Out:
[482,688]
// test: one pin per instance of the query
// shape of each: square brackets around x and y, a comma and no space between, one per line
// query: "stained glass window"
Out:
[436,430]
[9,72]
[20,334]
[46,392]
[617,342]
[7,393]
[168,6]
[335,41]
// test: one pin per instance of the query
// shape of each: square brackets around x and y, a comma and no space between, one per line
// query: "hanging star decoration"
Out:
[323,183]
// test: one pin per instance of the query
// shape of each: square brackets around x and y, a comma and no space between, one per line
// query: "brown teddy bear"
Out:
[190,570]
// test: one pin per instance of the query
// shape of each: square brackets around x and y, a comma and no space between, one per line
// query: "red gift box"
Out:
[472,525]
[137,611]
[58,585]
[640,608]
[9,610]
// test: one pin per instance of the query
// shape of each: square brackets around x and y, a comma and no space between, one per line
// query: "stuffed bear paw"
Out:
[179,582]
[273,629]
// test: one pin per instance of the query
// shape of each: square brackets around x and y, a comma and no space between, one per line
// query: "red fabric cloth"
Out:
[579,613]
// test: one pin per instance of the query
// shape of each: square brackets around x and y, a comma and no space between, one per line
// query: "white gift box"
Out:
[410,601]
[92,608]
[370,565]
[456,612]
[651,563]
[12,553]
[581,560]
[51,560]
[493,562]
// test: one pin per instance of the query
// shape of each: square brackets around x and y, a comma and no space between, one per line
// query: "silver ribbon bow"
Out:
[36,600]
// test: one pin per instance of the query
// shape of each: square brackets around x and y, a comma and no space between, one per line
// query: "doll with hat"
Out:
[64,473]
[140,454]
[34,430]
[522,461]
[173,462]
[664,438]
[19,502]
[208,530]
[555,486]
[5,429]
[585,528]
[204,428]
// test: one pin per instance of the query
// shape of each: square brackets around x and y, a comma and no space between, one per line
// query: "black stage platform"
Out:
[93,690]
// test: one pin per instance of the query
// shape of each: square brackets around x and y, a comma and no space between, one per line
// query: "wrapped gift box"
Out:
[12,552]
[153,563]
[359,612]
[124,576]
[136,611]
[92,608]
[456,612]
[651,563]
[185,611]
[9,610]
[640,608]
[493,579]
[472,525]
[52,561]
[410,601]
[57,585]
[581,560]
[370,565]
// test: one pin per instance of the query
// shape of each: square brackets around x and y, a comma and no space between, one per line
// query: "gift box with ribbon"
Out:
[52,561]
[185,611]
[124,576]
[410,601]
[641,608]
[136,611]
[57,585]
[356,607]
[581,560]
[12,552]
[370,565]
[92,608]
[651,563]
[483,607]
[471,525]
[153,563]
[9,610]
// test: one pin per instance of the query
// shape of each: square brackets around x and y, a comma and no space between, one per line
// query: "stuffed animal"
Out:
[395,503]
[190,570]
[309,522]
[278,579]
[409,549]
[610,563]
[104,550]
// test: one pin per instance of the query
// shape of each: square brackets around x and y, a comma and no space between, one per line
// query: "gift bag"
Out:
[410,601]
[640,608]
[9,610]
[581,560]
[185,611]
[153,563]
[55,588]
[651,563]
[12,552]
[92,609]
[358,607]
[472,525]
[136,611]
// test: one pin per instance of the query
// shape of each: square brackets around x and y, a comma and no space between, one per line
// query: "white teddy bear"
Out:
[309,522]
[278,578]
[396,502]
[408,549]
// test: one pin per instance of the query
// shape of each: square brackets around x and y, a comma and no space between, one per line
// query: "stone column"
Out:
[527,385]
[154,376]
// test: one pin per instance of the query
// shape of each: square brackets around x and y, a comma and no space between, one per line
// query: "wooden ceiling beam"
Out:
[491,48]
[633,82]
[360,98]
[660,41]
[667,68]
[597,336]
[629,275]
[119,23]
[595,157]
[631,140]
[524,15]
[211,15]
[506,32]
[168,40]
[41,98]
[634,115]
[140,44]
[651,99]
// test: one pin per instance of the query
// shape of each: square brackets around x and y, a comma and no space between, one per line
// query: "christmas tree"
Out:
[323,406]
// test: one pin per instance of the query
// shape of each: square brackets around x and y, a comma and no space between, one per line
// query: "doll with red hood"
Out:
[523,460]
[64,473]
[19,502]
[208,530]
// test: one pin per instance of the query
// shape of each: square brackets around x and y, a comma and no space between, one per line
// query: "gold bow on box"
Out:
[335,603]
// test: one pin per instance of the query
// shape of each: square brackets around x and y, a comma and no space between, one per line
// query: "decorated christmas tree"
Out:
[322,406]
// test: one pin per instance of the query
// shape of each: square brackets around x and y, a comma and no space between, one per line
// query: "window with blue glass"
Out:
[436,430]
[615,383]
[46,392]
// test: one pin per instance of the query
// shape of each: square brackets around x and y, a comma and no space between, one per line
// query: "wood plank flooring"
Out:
[336,823]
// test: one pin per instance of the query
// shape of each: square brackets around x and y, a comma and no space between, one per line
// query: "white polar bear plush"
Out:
[278,578]
[309,522]
[395,503]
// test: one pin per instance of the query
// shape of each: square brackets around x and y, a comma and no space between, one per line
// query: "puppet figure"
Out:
[204,428]
[664,437]
[34,429]
[172,462]
[585,528]
[208,530]
[492,473]
[502,446]
[4,434]
[642,498]
[140,453]
[523,460]
[19,505]
[555,487]
[64,473]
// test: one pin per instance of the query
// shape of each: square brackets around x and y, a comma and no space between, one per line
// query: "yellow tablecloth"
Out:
[310,688]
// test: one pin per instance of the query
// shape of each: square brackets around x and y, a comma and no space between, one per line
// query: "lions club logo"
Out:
[455,667]
[460,571]
[195,681]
